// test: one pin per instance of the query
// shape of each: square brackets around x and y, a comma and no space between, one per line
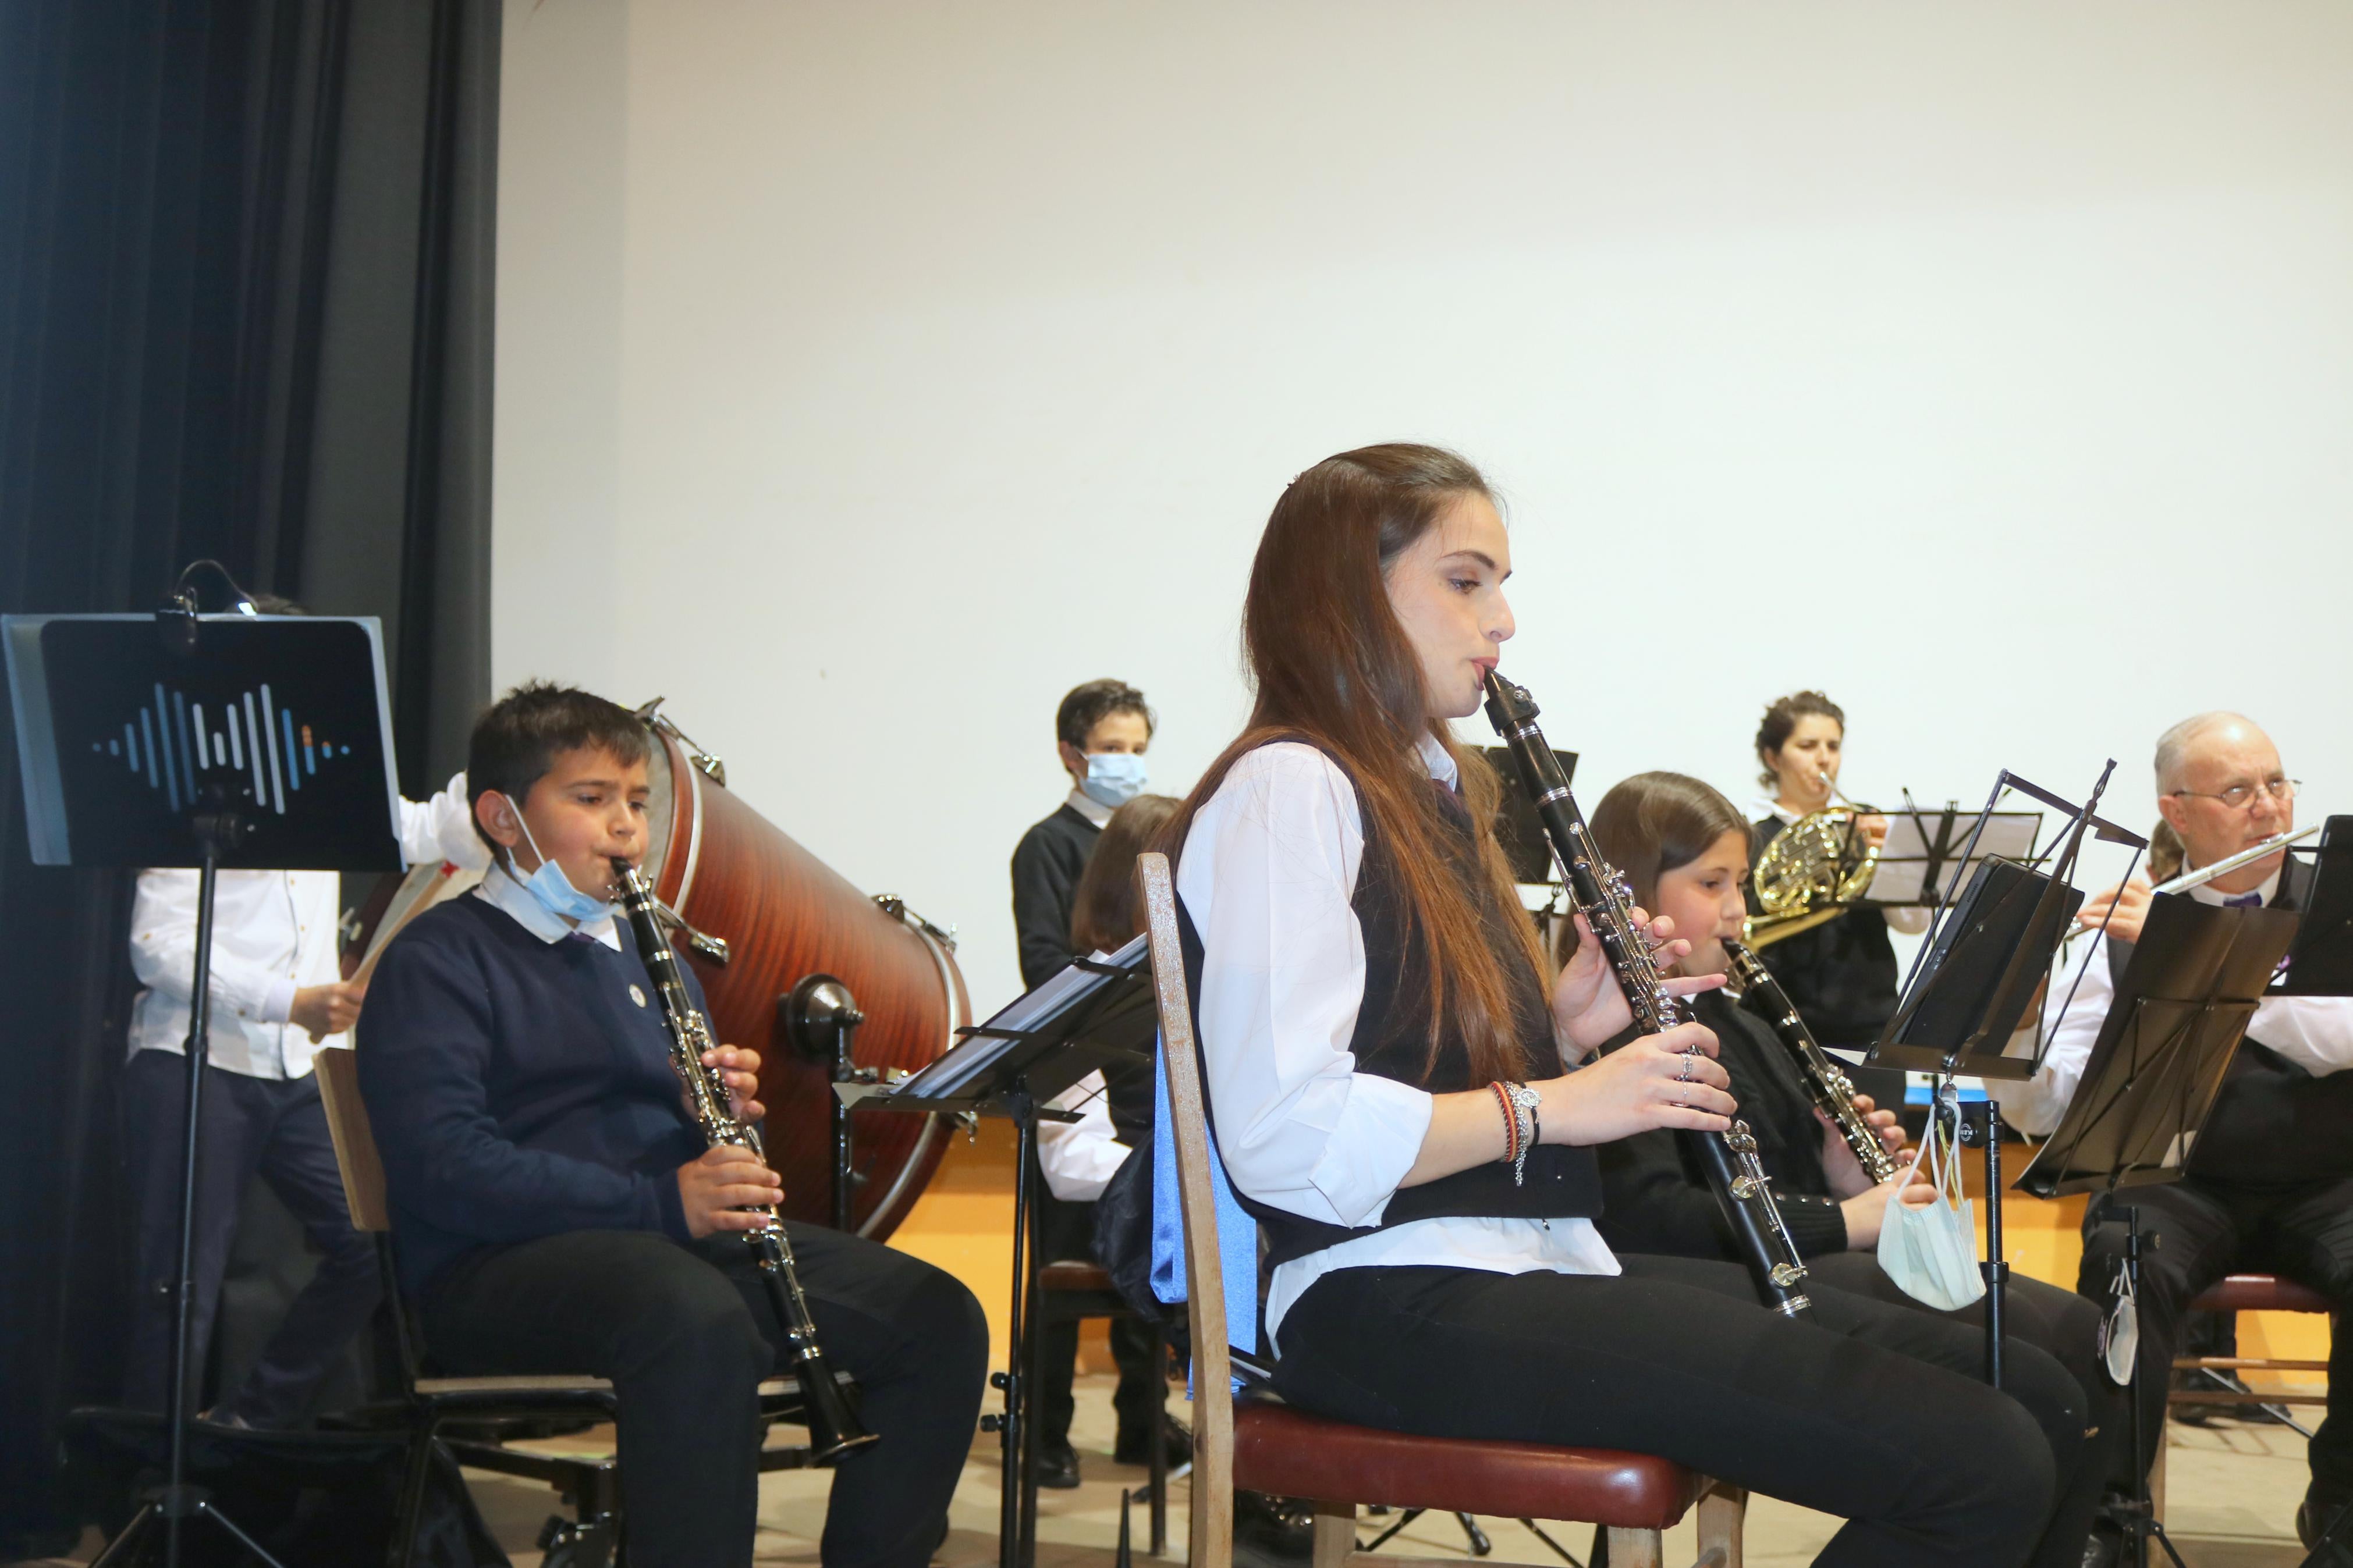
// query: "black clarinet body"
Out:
[833,1425]
[1728,1159]
[1832,1090]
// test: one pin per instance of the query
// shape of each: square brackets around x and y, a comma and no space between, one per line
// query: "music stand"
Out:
[2320,961]
[216,741]
[1093,1013]
[2182,1006]
[1922,862]
[1970,983]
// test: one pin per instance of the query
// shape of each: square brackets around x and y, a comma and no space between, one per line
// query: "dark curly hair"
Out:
[1780,722]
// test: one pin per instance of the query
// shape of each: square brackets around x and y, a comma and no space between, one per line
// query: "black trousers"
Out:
[686,1333]
[1869,1412]
[1066,1231]
[2193,1232]
[273,1128]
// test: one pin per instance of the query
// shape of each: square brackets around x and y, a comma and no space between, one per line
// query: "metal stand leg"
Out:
[2138,1514]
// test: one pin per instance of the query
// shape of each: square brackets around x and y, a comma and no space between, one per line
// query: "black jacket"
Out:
[1047,865]
[1655,1198]
[1841,975]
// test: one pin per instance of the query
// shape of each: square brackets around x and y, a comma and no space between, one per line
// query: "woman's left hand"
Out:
[740,1067]
[1874,830]
[1587,1007]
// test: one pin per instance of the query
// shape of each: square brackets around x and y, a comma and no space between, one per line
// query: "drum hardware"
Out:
[821,1018]
[710,766]
[894,906]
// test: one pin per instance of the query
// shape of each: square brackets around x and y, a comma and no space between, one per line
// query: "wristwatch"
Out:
[1525,1099]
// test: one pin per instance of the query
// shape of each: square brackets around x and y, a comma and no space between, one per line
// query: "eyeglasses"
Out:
[2238,797]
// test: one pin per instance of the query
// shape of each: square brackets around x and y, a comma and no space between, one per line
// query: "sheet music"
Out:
[947,1077]
[1913,842]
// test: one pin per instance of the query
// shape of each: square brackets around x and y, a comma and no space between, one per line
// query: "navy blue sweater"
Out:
[517,1088]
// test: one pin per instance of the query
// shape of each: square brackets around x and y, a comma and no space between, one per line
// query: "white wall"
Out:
[870,374]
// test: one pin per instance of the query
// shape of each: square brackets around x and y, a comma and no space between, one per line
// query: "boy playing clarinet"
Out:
[556,1210]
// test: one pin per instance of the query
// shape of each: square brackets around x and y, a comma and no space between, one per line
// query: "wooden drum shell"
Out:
[731,873]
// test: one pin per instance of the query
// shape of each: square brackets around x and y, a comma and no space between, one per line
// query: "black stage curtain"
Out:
[246,258]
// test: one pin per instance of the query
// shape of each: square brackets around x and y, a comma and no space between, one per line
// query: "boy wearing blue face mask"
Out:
[557,1209]
[1102,730]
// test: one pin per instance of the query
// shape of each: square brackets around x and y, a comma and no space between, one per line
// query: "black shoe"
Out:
[2104,1547]
[1137,1449]
[1058,1468]
[2316,1513]
[2206,1381]
[1272,1531]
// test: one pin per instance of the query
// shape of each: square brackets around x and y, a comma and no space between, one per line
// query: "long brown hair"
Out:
[1331,662]
[1104,912]
[1655,822]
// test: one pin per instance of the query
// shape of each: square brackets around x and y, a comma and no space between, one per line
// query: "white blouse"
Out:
[1267,874]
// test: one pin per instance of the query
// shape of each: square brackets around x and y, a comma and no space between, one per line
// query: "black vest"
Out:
[1392,1040]
[1841,975]
[2274,1125]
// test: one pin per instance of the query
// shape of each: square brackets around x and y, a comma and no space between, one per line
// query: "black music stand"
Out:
[237,741]
[2320,961]
[1093,1013]
[1970,984]
[2196,976]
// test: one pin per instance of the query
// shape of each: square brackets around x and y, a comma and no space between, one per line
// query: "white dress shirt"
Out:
[1267,874]
[1088,806]
[273,933]
[2314,1032]
[512,898]
[1081,1157]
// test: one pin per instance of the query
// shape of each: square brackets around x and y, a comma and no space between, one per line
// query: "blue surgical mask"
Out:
[1114,778]
[552,890]
[1931,1252]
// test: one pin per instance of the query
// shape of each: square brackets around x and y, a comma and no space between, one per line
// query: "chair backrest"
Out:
[1213,1530]
[347,1124]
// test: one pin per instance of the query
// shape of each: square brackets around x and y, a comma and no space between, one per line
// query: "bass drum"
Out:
[781,913]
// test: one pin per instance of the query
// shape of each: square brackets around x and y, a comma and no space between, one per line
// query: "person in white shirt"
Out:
[1396,1091]
[2268,1185]
[278,998]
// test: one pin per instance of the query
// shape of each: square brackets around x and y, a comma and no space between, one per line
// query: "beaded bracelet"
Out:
[1511,1153]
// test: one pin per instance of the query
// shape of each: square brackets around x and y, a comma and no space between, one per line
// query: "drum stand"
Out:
[822,1019]
[217,832]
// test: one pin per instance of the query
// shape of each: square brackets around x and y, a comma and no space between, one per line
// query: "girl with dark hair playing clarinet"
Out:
[1401,1097]
[1683,848]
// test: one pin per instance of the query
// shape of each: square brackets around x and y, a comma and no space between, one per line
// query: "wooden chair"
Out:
[590,1485]
[1264,1445]
[2239,1293]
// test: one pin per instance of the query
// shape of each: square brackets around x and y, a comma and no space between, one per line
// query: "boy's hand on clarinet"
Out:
[740,1067]
[718,1190]
[1654,1080]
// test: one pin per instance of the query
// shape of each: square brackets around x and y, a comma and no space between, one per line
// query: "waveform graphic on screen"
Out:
[173,743]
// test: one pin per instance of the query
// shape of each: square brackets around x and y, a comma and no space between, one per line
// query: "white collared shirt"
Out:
[1088,806]
[2314,1032]
[512,898]
[273,933]
[1268,869]
[1080,1158]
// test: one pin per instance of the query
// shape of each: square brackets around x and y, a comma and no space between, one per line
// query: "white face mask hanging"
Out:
[2120,1332]
[1931,1251]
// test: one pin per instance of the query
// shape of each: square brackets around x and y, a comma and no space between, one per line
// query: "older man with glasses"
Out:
[2269,1185]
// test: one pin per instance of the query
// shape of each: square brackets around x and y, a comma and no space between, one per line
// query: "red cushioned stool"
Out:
[1268,1446]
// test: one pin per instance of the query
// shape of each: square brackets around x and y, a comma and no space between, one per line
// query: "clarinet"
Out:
[1727,1159]
[833,1426]
[1832,1091]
